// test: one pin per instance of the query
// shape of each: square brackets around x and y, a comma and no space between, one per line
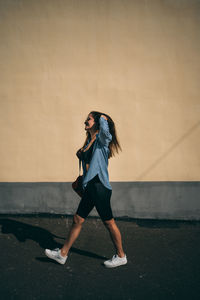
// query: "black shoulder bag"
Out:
[77,184]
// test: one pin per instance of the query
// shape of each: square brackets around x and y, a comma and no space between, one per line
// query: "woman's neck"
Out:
[93,134]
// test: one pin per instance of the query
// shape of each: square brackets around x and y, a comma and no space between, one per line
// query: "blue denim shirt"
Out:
[99,160]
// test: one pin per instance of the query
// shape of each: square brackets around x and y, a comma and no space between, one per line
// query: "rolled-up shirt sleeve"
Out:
[104,134]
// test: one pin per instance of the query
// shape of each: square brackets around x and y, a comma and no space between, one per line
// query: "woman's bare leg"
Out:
[115,236]
[73,234]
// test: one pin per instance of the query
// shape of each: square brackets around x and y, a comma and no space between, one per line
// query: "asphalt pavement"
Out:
[163,260]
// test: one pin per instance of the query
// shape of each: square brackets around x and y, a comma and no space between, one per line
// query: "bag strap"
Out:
[79,167]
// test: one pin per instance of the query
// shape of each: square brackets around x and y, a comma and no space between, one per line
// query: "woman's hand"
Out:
[104,117]
[79,152]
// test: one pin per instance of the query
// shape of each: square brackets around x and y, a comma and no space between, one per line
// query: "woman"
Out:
[101,143]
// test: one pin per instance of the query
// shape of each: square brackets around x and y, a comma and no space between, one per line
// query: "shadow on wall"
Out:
[167,152]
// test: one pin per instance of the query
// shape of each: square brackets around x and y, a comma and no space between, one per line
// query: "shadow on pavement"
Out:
[154,223]
[43,237]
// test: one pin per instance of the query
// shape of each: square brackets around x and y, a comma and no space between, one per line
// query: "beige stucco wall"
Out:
[135,60]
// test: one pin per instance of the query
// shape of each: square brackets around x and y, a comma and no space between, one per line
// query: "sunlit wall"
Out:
[137,61]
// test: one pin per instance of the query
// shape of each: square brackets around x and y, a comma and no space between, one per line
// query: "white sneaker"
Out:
[115,261]
[56,255]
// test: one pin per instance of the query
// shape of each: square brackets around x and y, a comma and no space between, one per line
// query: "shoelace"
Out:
[114,256]
[56,249]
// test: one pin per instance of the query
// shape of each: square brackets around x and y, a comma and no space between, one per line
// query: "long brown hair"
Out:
[114,145]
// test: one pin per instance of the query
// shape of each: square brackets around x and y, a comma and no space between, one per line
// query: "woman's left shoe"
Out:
[115,261]
[56,255]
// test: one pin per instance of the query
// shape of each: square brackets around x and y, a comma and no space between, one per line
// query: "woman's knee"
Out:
[78,220]
[109,223]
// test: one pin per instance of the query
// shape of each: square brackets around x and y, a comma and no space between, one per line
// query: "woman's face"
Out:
[89,122]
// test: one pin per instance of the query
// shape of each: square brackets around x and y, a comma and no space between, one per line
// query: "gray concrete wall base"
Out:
[149,200]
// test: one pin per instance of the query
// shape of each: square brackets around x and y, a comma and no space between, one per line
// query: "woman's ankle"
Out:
[121,254]
[63,252]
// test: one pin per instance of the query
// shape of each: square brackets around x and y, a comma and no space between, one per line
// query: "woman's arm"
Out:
[104,133]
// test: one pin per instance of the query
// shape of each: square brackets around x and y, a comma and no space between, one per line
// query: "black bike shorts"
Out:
[98,196]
